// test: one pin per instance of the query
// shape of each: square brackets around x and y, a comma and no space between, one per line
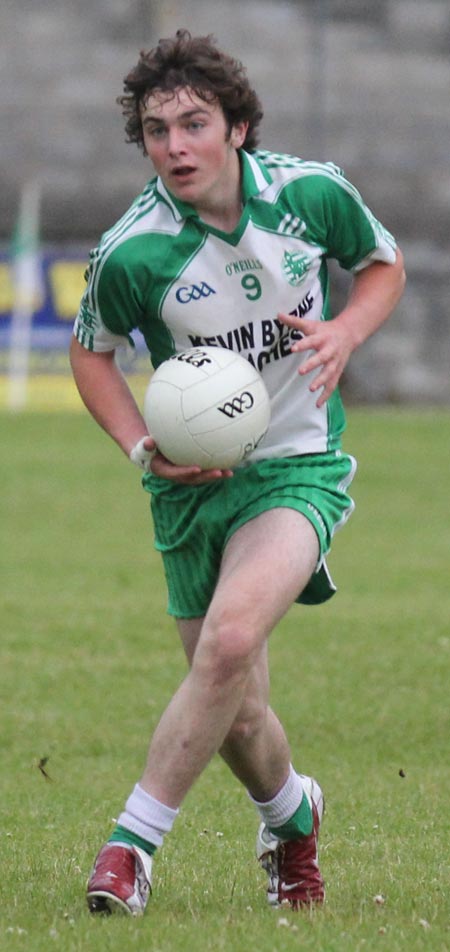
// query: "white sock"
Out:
[147,817]
[283,806]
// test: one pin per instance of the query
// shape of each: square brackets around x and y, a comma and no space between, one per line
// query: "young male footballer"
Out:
[228,245]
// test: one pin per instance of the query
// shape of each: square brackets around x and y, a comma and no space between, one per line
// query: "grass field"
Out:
[88,659]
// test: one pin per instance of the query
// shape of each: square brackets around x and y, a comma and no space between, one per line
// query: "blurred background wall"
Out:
[365,84]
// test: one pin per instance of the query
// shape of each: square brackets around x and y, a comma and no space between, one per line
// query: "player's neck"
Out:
[225,219]
[223,207]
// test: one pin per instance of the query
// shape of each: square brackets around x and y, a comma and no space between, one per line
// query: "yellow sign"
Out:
[6,289]
[67,284]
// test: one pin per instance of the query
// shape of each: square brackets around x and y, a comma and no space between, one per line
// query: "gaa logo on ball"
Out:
[208,407]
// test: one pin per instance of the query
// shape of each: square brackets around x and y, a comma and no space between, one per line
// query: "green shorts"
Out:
[194,523]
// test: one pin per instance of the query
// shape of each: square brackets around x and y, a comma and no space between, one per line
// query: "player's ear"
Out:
[238,134]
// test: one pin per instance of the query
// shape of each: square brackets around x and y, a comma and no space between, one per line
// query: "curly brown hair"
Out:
[194,61]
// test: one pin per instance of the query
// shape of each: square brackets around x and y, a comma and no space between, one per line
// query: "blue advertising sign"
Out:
[57,299]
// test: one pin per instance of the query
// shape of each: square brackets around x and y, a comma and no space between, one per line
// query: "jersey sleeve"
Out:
[110,308]
[351,233]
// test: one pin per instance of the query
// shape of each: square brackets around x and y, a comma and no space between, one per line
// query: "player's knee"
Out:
[228,649]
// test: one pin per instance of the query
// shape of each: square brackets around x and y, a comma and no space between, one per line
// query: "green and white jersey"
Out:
[181,283]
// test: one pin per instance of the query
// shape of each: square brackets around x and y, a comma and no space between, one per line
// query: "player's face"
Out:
[191,148]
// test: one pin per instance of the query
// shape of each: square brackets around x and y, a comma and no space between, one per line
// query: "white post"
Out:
[27,285]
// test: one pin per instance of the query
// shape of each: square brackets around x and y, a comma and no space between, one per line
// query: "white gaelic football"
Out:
[207,406]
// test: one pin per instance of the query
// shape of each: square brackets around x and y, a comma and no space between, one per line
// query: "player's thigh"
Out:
[266,563]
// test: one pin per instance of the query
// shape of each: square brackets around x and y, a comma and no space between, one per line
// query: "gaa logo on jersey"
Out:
[295,267]
[194,292]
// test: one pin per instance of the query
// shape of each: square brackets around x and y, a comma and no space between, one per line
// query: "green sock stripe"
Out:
[300,823]
[122,835]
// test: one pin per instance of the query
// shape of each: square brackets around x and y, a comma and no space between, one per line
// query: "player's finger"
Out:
[300,323]
[312,363]
[325,382]
[163,467]
[206,476]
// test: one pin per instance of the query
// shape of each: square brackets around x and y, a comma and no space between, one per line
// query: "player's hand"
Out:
[186,475]
[331,344]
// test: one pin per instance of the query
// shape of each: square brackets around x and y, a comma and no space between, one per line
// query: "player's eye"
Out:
[155,132]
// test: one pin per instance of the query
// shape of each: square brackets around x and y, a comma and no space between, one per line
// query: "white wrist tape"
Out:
[142,457]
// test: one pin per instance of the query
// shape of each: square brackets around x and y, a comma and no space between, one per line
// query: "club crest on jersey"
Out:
[295,266]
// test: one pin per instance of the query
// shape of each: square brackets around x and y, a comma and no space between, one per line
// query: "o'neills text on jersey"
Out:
[246,264]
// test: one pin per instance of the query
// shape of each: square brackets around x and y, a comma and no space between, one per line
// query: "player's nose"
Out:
[176,143]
